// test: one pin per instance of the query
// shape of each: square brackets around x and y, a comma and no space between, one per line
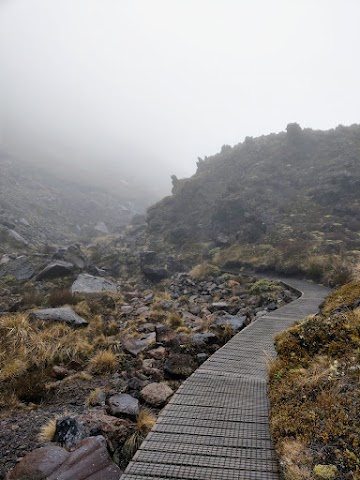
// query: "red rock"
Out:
[157,353]
[89,461]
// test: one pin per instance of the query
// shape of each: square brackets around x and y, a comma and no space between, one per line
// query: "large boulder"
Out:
[20,268]
[157,267]
[55,270]
[156,394]
[60,314]
[86,283]
[72,254]
[89,461]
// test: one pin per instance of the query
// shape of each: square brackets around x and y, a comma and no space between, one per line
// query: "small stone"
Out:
[179,365]
[136,345]
[127,309]
[156,394]
[123,404]
[69,432]
[157,353]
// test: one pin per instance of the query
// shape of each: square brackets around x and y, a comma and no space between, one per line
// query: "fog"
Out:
[138,89]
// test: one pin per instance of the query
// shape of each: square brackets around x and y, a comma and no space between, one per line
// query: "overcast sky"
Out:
[153,84]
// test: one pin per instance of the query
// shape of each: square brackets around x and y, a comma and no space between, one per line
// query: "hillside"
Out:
[44,208]
[290,196]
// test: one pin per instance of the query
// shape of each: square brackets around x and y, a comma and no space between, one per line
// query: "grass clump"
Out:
[29,349]
[144,423]
[314,384]
[174,320]
[203,271]
[61,296]
[47,431]
[104,361]
[263,285]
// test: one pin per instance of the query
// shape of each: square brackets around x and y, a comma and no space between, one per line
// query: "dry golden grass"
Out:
[144,423]
[30,348]
[104,361]
[47,431]
[91,399]
[174,320]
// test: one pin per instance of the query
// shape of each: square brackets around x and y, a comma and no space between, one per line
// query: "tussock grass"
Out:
[47,431]
[174,320]
[104,361]
[314,385]
[144,423]
[204,270]
[28,350]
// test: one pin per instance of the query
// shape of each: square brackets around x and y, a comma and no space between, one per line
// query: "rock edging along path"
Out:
[216,426]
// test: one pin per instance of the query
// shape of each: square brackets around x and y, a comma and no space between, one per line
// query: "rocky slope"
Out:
[296,193]
[37,207]
[101,350]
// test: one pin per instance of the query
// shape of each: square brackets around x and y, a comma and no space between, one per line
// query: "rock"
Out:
[24,222]
[39,464]
[204,338]
[18,239]
[215,306]
[86,283]
[146,327]
[60,372]
[154,273]
[271,307]
[135,345]
[222,240]
[72,254]
[55,270]
[234,321]
[157,353]
[156,394]
[115,430]
[148,363]
[101,228]
[165,334]
[157,267]
[127,309]
[89,461]
[123,404]
[136,384]
[69,432]
[60,314]
[179,365]
[20,268]
[201,357]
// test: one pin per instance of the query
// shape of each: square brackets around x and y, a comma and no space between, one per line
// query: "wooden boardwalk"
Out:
[216,426]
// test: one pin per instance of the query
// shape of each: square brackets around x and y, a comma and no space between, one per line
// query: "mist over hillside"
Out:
[289,195]
[62,204]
